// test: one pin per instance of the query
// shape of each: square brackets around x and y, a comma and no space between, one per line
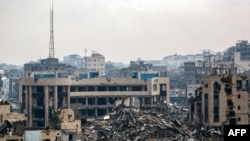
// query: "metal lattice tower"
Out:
[51,43]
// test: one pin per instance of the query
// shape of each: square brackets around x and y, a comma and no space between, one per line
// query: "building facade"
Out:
[221,100]
[95,62]
[90,97]
[49,64]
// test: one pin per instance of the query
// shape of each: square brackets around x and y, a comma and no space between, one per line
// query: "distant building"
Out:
[74,60]
[174,61]
[5,88]
[95,62]
[178,96]
[49,64]
[239,55]
[191,90]
[14,75]
[191,74]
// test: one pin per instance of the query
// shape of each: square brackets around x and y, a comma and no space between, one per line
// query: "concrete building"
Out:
[74,60]
[5,88]
[239,54]
[13,75]
[5,113]
[11,124]
[70,127]
[43,135]
[49,64]
[221,100]
[95,62]
[91,97]
[178,96]
[191,90]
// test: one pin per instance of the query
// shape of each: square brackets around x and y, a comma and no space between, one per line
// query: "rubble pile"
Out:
[131,124]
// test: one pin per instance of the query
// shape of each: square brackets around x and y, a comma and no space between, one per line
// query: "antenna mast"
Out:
[51,43]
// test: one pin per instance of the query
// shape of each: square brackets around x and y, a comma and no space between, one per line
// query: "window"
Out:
[217,88]
[206,85]
[238,107]
[238,96]
[154,87]
[206,107]
[239,119]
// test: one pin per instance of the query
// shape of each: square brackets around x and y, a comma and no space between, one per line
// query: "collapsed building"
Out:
[221,100]
[90,98]
[11,124]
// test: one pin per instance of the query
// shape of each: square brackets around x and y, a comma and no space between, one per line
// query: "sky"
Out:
[121,30]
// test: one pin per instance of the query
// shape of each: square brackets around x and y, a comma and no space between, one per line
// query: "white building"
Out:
[5,88]
[242,65]
[95,62]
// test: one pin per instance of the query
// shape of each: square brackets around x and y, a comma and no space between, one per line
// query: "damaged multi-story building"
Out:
[90,97]
[221,100]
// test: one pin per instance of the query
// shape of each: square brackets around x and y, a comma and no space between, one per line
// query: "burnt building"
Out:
[91,98]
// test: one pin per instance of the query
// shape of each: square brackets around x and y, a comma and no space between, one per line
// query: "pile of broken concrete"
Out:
[133,124]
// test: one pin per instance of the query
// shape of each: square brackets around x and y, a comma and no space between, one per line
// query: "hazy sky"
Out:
[121,30]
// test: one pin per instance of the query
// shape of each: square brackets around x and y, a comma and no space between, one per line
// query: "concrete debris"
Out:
[133,124]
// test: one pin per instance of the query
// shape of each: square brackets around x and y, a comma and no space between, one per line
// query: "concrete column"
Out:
[46,104]
[55,98]
[95,101]
[195,112]
[20,96]
[30,106]
[68,96]
[189,108]
[107,101]
[26,99]
[95,112]
[86,101]
[143,100]
[26,102]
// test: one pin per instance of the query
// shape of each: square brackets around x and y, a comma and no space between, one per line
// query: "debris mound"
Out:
[134,124]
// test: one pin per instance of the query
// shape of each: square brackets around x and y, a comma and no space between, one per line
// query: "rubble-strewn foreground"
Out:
[133,124]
